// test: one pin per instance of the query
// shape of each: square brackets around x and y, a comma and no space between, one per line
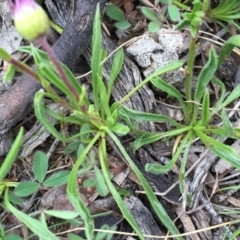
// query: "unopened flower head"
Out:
[29,18]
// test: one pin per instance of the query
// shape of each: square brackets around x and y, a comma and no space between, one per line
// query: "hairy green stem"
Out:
[189,76]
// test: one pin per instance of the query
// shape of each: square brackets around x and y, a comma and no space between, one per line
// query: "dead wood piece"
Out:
[202,220]
[187,223]
[216,219]
[200,174]
[16,103]
[143,217]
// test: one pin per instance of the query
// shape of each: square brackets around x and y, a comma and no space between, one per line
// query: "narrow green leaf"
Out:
[11,156]
[156,205]
[4,55]
[114,12]
[206,75]
[227,124]
[96,56]
[40,166]
[205,109]
[184,162]
[171,90]
[153,137]
[115,69]
[102,235]
[204,78]
[45,60]
[159,169]
[34,225]
[43,220]
[40,113]
[115,194]
[52,77]
[165,1]
[57,179]
[222,96]
[36,55]
[235,93]
[227,48]
[167,68]
[147,117]
[15,200]
[74,195]
[235,234]
[100,183]
[9,75]
[61,214]
[26,188]
[223,151]
[85,137]
[110,235]
[104,102]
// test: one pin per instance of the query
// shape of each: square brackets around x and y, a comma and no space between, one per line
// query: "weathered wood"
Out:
[143,217]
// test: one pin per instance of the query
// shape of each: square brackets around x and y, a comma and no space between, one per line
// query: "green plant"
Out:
[5,186]
[101,120]
[156,19]
[193,19]
[226,11]
[117,14]
[101,117]
[29,187]
[197,122]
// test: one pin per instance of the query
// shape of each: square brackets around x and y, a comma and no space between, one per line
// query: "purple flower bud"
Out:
[30,19]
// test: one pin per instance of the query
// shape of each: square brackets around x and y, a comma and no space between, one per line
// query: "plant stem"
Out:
[58,66]
[24,68]
[188,85]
